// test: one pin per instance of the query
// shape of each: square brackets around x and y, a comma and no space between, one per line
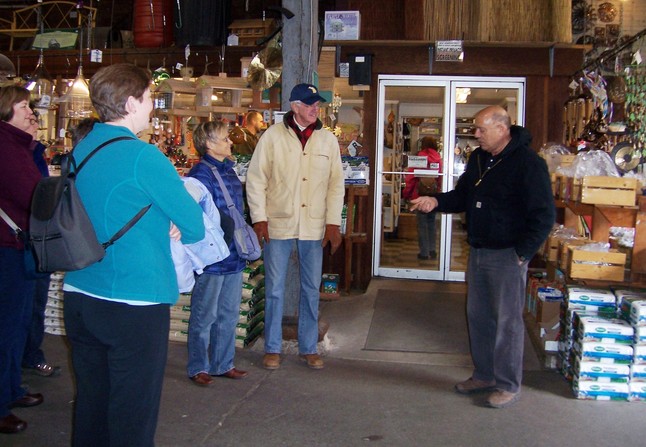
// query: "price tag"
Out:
[96,56]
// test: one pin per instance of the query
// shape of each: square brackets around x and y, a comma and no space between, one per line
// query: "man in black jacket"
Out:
[506,194]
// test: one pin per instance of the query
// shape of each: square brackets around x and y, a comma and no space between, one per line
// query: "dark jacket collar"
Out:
[221,165]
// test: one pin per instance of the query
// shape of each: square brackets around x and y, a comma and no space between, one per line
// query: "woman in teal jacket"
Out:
[117,311]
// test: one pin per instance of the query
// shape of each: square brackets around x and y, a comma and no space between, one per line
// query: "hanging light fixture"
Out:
[41,84]
[7,68]
[77,96]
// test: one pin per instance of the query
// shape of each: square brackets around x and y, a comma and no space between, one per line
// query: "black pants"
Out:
[119,355]
[33,352]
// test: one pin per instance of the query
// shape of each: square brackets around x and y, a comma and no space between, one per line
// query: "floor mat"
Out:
[410,321]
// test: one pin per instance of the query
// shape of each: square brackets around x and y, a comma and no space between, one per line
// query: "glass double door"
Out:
[413,110]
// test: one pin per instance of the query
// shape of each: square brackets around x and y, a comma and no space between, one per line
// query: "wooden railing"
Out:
[48,15]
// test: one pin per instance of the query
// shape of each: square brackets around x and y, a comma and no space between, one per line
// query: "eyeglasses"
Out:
[215,138]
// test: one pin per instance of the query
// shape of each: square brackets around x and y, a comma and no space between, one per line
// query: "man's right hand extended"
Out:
[261,230]
[425,204]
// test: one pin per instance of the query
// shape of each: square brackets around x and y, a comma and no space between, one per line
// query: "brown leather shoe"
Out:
[314,361]
[202,379]
[502,399]
[271,361]
[28,400]
[12,424]
[234,373]
[472,386]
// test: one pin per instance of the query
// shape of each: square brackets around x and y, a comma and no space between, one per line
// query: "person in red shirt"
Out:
[424,186]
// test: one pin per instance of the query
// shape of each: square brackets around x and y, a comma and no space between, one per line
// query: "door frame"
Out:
[450,84]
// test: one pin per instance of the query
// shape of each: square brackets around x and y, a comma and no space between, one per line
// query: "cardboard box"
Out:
[600,190]
[590,296]
[602,329]
[637,391]
[584,389]
[601,372]
[638,373]
[330,283]
[601,266]
[603,352]
[548,310]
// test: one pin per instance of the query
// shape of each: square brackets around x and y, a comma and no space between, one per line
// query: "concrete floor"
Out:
[360,398]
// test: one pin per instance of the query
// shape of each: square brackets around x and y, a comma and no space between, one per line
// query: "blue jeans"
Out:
[16,298]
[495,302]
[215,310]
[426,232]
[276,258]
[33,353]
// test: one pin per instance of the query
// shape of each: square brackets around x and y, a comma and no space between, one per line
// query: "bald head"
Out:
[493,129]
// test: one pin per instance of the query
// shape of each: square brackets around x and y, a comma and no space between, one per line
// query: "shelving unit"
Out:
[464,128]
[180,104]
[602,218]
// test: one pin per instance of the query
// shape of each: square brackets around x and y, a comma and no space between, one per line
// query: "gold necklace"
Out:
[482,174]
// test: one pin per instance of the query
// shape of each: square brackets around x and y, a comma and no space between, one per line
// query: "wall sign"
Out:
[342,25]
[449,50]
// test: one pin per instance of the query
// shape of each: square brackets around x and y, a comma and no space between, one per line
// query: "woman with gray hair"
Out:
[215,301]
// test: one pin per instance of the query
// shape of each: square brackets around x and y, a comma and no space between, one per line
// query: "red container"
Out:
[153,23]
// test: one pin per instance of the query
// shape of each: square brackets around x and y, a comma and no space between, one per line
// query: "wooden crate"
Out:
[563,254]
[600,266]
[570,189]
[599,190]
[249,31]
[556,184]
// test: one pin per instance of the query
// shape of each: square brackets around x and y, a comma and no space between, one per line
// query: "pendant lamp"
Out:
[77,96]
[7,68]
[41,84]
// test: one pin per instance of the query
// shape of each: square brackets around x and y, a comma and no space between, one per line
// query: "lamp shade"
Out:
[7,68]
[41,84]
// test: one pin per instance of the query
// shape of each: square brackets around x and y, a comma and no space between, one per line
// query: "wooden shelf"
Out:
[603,217]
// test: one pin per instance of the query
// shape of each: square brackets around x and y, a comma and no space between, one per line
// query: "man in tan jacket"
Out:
[295,189]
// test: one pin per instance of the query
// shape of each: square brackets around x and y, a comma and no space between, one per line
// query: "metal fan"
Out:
[625,156]
[265,68]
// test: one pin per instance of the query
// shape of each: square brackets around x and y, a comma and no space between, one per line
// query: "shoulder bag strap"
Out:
[97,149]
[127,226]
[16,229]
[137,216]
[225,191]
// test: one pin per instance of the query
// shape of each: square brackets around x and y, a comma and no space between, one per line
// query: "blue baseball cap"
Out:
[306,93]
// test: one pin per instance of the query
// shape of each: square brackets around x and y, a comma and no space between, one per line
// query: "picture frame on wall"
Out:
[342,25]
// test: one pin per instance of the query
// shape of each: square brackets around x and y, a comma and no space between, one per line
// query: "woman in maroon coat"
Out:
[18,178]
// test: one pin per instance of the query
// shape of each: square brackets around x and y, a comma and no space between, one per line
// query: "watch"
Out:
[522,258]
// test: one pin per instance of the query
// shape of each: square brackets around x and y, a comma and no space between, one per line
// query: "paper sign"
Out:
[342,25]
[449,50]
